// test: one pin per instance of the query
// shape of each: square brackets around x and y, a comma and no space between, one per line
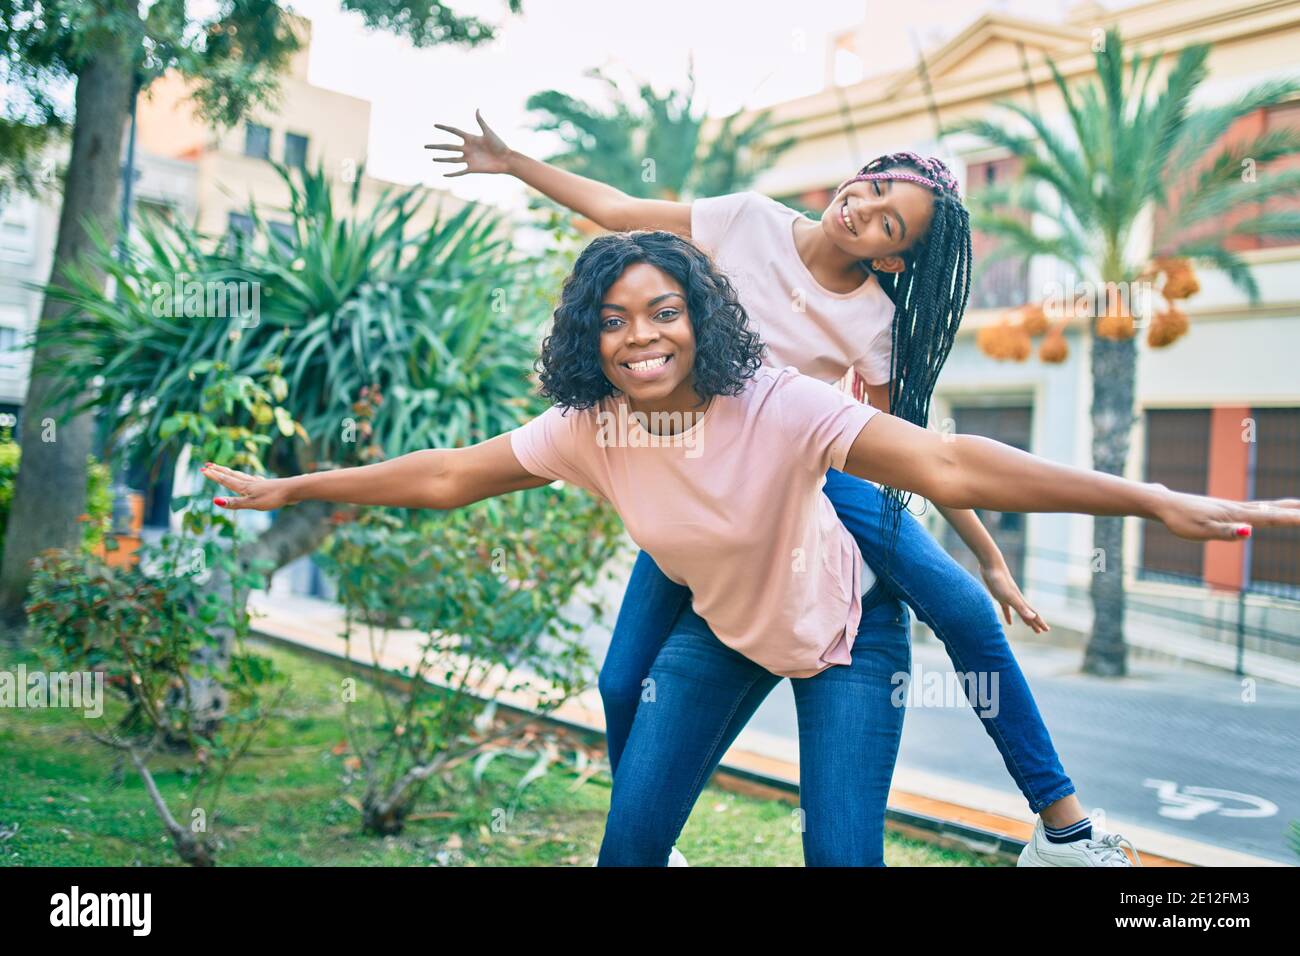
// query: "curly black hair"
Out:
[727,351]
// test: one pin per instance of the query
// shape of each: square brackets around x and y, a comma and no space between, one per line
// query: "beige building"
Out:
[1236,366]
[308,126]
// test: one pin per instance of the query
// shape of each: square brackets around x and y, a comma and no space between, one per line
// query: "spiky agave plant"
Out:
[443,322]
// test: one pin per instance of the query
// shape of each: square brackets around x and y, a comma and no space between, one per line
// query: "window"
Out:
[295,150]
[1011,424]
[239,230]
[257,141]
[283,233]
[13,325]
[17,229]
[1177,455]
[1275,553]
[1004,283]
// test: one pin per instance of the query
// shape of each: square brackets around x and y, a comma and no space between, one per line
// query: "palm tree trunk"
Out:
[1114,374]
[50,490]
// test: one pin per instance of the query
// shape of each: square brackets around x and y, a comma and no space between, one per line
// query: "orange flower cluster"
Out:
[1117,324]
[1180,280]
[1167,327]
[1004,341]
[1011,339]
[1180,283]
[1031,317]
[1054,349]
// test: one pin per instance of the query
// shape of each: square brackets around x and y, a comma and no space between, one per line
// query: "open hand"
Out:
[998,579]
[1198,518]
[255,494]
[485,153]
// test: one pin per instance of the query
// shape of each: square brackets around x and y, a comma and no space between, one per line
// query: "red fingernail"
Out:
[1243,531]
[219,502]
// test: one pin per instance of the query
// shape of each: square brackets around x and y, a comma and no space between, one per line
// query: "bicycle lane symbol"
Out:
[1189,803]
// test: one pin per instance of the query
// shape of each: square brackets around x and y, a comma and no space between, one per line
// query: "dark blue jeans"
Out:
[941,592]
[701,693]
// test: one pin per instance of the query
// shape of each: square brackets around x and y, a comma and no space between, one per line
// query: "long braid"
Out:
[930,297]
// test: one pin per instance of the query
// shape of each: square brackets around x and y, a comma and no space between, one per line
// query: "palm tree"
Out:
[1129,158]
[652,145]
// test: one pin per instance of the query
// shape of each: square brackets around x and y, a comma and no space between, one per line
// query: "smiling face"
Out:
[879,219]
[647,344]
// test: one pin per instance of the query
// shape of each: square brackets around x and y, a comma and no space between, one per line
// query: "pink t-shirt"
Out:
[732,508]
[819,332]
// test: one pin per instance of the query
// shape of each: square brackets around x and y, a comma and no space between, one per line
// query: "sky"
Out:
[746,53]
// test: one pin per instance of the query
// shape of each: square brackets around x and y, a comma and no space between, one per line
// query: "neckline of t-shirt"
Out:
[795,216]
[632,423]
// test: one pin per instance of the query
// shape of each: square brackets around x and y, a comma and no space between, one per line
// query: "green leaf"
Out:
[284,421]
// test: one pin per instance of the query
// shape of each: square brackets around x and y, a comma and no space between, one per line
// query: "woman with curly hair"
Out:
[650,335]
[875,289]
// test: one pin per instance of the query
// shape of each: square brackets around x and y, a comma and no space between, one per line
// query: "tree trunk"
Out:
[1114,374]
[50,490]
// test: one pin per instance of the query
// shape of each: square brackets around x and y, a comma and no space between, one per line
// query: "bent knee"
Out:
[620,684]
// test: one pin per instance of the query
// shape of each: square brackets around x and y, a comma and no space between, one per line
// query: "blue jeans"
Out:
[941,592]
[701,693]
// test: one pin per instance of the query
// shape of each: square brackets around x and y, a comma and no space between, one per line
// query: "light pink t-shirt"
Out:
[732,508]
[751,238]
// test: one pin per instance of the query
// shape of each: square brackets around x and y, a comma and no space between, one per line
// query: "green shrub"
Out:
[99,492]
[491,591]
[167,631]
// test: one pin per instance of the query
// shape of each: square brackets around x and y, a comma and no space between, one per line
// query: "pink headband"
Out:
[939,178]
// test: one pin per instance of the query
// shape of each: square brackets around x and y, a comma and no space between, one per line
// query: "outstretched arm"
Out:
[993,566]
[604,205]
[436,478]
[967,471]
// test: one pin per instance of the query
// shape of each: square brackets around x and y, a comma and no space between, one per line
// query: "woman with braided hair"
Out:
[877,289]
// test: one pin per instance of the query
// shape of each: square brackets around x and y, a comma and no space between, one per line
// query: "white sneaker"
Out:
[675,858]
[1104,849]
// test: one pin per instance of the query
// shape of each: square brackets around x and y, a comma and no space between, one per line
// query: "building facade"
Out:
[1218,411]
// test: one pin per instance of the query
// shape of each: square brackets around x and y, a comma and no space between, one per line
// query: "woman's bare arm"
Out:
[964,521]
[435,478]
[967,471]
[993,566]
[604,205]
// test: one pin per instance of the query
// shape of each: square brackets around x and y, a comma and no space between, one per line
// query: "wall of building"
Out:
[1238,355]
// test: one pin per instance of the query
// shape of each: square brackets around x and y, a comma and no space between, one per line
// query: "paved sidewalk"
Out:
[759,755]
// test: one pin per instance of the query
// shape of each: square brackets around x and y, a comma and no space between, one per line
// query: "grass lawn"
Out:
[65,800]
